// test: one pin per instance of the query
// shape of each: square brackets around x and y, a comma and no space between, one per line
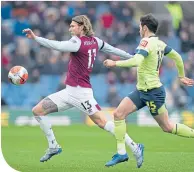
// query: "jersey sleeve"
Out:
[132,62]
[100,43]
[109,49]
[71,45]
[167,50]
[143,47]
[178,62]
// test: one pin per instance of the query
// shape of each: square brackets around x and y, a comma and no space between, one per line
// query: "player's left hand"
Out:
[187,81]
[109,63]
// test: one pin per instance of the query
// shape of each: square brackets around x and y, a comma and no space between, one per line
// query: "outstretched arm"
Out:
[71,45]
[178,61]
[132,62]
[180,67]
[109,49]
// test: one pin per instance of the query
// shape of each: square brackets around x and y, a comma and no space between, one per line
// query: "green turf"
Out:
[87,149]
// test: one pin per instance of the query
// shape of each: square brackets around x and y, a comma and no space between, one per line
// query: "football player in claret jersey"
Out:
[83,48]
[150,91]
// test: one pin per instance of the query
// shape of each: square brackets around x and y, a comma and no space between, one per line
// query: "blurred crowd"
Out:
[114,22]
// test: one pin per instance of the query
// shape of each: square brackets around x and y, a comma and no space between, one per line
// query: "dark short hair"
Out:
[150,21]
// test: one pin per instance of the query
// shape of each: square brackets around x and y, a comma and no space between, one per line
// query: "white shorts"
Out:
[79,97]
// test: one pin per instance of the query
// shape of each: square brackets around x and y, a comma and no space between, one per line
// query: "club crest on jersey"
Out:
[143,43]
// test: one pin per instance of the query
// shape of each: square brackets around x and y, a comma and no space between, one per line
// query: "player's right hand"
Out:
[186,81]
[109,63]
[29,33]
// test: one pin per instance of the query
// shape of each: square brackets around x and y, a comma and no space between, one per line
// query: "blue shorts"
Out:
[154,99]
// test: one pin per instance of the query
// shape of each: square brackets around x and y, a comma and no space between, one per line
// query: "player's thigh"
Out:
[61,100]
[135,101]
[45,107]
[124,109]
[129,105]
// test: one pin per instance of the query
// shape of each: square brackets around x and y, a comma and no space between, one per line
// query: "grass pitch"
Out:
[87,149]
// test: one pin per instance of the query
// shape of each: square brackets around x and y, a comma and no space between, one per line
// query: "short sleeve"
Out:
[143,48]
[167,50]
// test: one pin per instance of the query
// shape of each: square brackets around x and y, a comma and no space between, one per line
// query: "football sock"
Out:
[133,146]
[46,128]
[120,130]
[183,130]
[110,128]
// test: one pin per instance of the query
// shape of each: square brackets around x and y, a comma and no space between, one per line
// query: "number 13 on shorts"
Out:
[86,105]
[90,106]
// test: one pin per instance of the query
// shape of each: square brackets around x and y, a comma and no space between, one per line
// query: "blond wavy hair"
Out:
[85,21]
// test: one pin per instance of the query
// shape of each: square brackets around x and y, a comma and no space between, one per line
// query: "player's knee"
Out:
[118,115]
[167,129]
[37,111]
